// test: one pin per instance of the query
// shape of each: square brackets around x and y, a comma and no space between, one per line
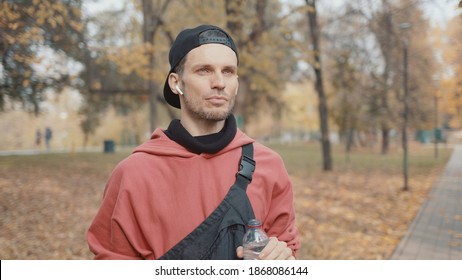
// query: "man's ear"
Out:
[173,81]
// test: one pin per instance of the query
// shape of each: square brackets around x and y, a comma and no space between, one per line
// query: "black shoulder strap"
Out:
[246,167]
[218,236]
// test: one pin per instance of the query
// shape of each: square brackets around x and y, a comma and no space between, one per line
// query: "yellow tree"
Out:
[26,28]
[451,87]
[122,68]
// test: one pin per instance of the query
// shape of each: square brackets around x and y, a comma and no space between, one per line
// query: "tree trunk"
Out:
[85,139]
[234,24]
[349,139]
[385,139]
[323,110]
[240,109]
[384,35]
[151,23]
[387,48]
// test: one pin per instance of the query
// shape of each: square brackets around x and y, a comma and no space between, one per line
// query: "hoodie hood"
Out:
[160,144]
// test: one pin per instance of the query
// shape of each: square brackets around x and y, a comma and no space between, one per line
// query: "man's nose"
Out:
[218,81]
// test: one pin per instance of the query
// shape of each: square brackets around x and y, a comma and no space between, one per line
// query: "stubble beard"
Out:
[197,110]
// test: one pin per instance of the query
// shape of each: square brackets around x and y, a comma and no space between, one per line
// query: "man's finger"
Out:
[240,252]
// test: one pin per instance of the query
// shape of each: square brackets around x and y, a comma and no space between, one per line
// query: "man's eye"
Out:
[204,70]
[229,71]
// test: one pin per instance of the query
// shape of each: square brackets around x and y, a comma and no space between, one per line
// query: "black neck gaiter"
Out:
[209,144]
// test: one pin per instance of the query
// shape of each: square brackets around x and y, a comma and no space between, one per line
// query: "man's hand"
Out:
[274,250]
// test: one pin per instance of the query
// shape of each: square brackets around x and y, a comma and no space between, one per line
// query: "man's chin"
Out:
[217,115]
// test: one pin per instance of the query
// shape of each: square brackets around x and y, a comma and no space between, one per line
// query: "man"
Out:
[188,192]
[48,136]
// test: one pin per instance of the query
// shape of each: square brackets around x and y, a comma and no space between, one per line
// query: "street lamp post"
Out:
[436,81]
[404,26]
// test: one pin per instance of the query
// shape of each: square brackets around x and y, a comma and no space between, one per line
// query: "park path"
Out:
[436,232]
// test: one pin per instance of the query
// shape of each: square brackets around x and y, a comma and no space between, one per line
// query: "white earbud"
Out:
[179,90]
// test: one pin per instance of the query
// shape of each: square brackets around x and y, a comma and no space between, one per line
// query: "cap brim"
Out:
[169,96]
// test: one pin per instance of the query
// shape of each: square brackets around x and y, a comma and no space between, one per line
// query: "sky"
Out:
[440,11]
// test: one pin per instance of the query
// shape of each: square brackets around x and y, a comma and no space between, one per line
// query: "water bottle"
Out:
[255,239]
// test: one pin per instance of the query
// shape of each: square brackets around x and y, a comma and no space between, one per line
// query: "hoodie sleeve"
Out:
[106,236]
[280,220]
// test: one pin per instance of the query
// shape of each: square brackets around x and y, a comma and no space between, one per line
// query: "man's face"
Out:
[209,82]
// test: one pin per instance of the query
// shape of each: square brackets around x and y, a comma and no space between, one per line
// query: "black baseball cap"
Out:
[187,40]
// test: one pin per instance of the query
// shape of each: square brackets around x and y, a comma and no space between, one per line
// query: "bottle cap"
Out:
[254,223]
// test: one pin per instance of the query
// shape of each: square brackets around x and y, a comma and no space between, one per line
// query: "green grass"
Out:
[307,159]
[300,159]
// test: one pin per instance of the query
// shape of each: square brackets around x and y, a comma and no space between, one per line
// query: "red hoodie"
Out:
[162,192]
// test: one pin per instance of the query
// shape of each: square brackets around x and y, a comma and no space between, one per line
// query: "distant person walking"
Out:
[48,136]
[38,138]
